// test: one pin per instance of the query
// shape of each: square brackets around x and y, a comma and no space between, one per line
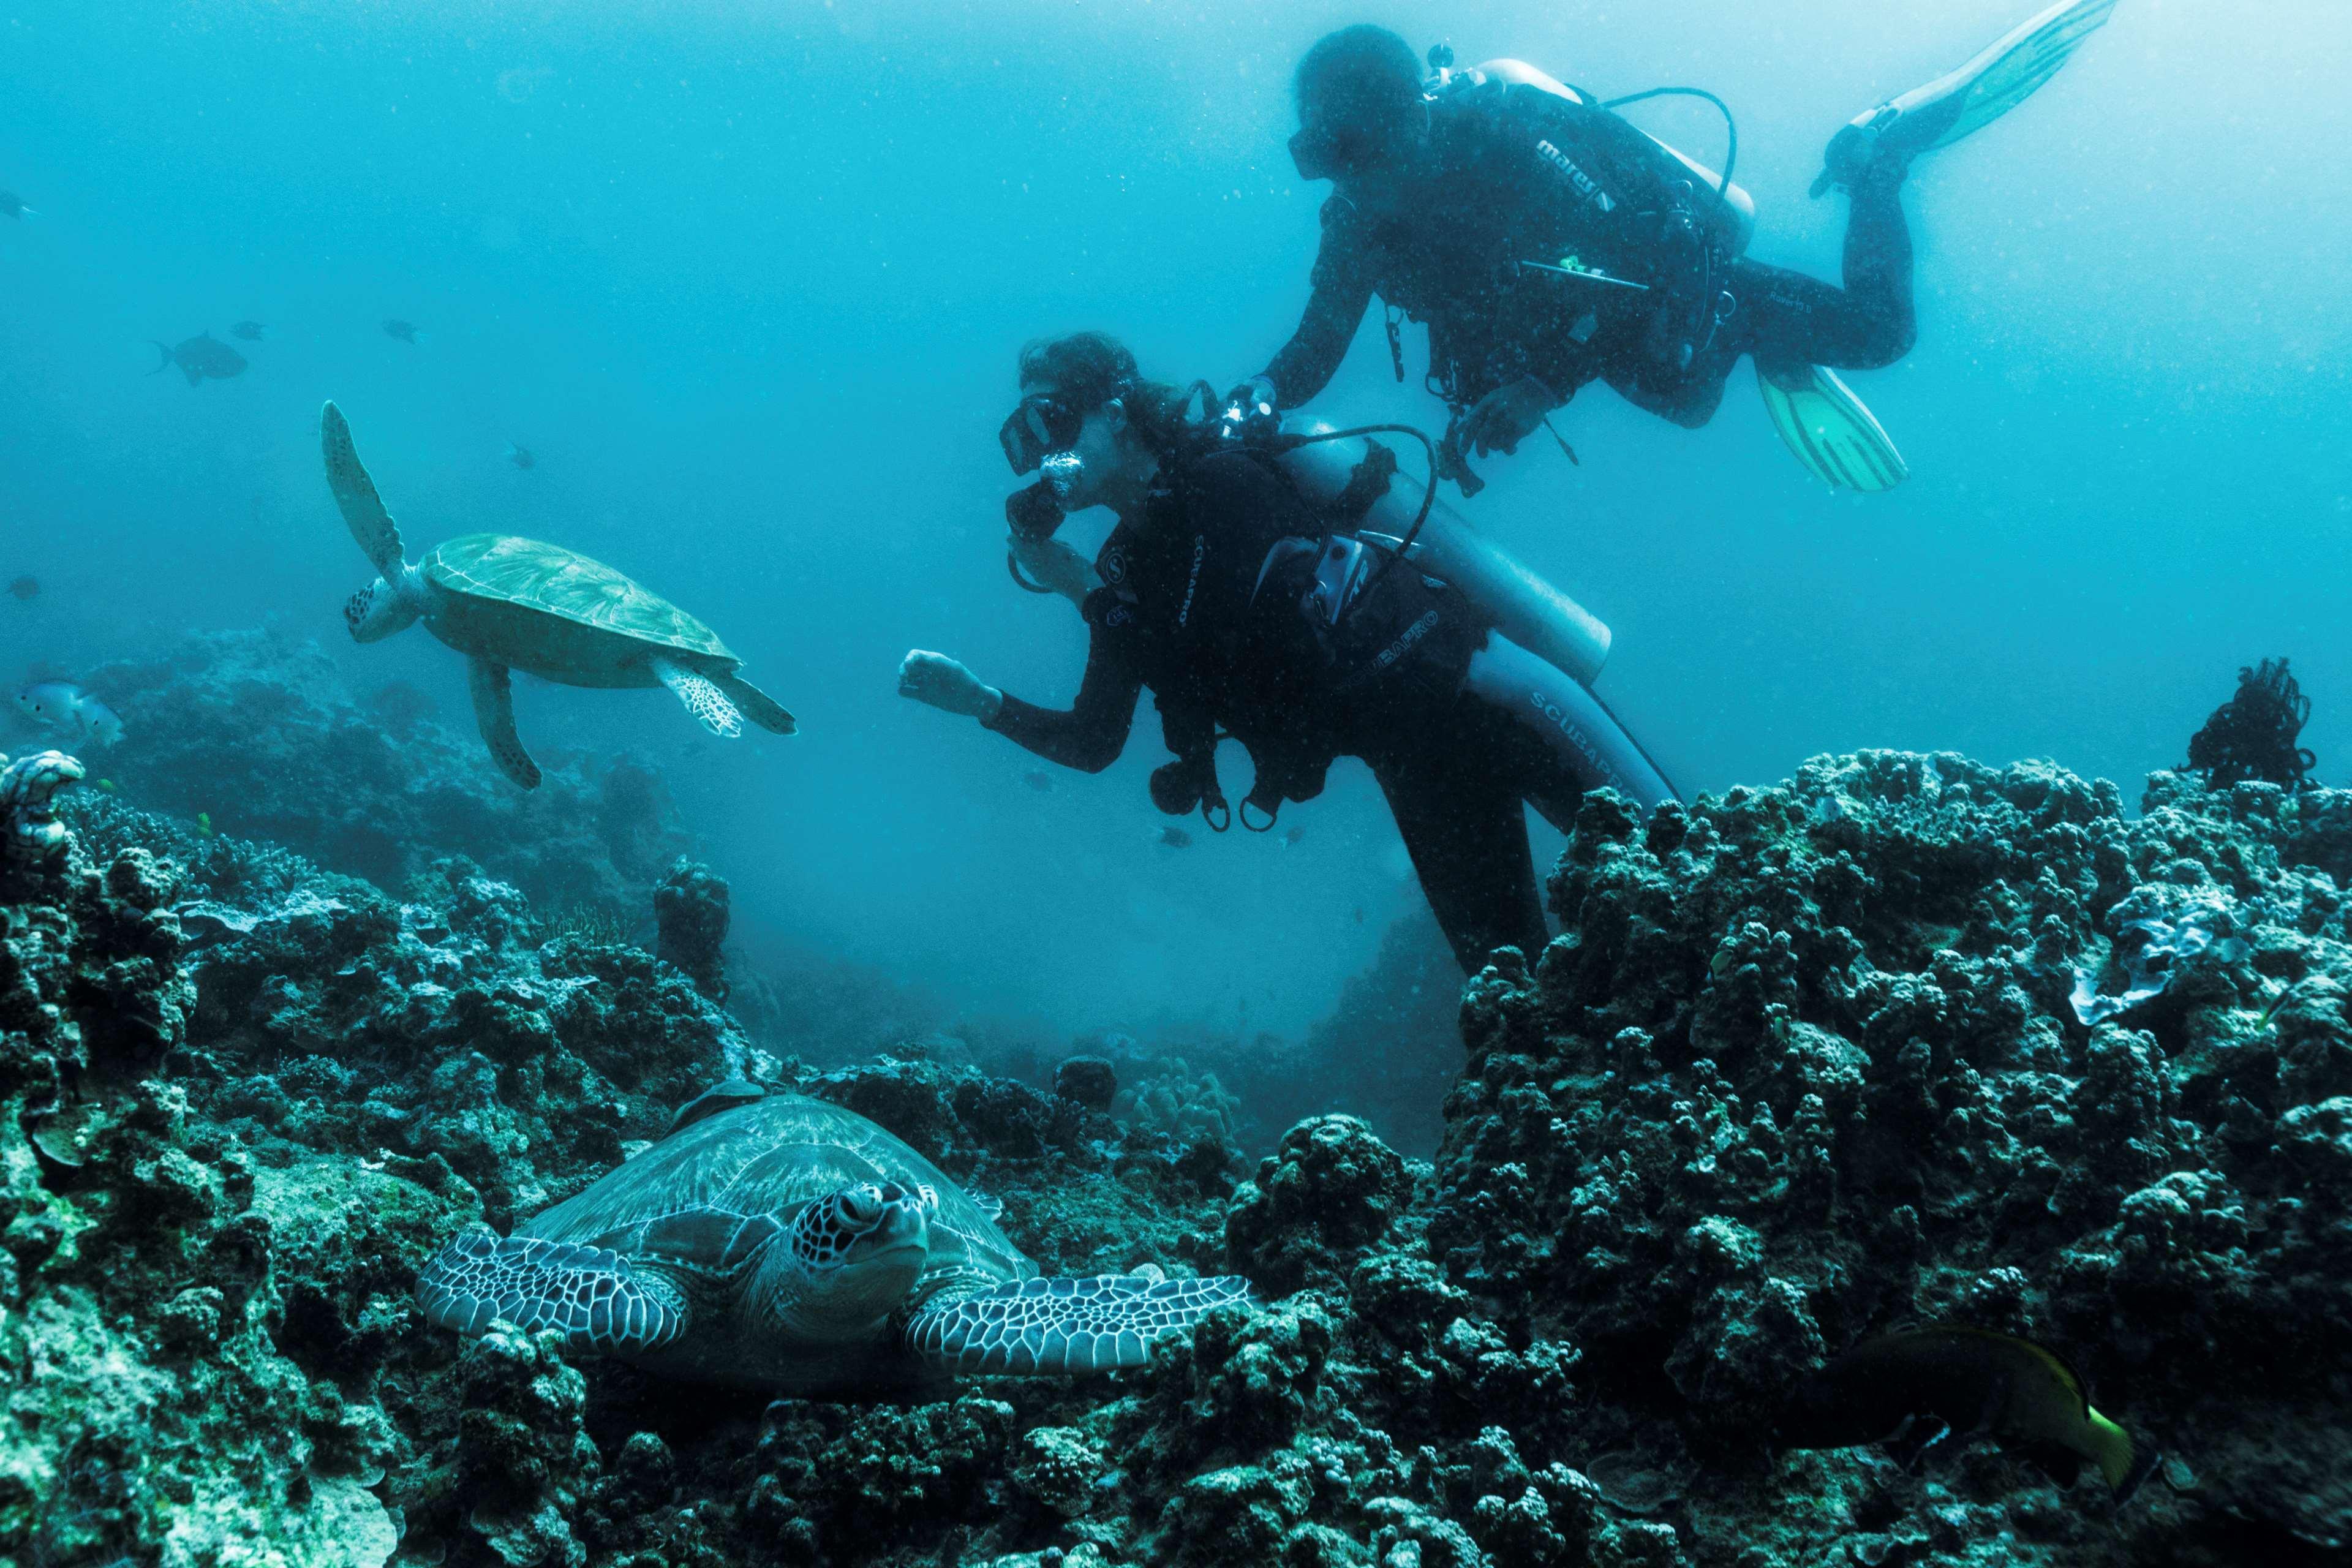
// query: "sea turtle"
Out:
[508,602]
[781,1243]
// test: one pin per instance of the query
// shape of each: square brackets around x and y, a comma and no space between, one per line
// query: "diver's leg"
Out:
[1467,834]
[1789,321]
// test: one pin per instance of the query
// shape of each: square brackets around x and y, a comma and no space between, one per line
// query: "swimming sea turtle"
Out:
[781,1243]
[508,602]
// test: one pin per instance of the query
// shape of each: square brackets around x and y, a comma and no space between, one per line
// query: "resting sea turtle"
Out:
[783,1243]
[508,602]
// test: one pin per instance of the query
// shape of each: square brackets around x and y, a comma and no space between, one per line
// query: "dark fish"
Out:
[200,357]
[394,327]
[250,331]
[1175,838]
[1359,915]
[12,206]
[1914,1389]
[25,587]
[1294,834]
[1039,780]
[519,456]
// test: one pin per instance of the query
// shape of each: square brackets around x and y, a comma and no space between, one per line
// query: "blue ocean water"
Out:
[748,280]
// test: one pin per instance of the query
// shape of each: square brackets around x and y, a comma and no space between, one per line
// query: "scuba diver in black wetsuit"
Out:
[1548,244]
[1229,594]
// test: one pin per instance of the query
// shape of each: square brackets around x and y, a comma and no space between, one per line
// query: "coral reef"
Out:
[256,730]
[1805,1064]
[31,837]
[691,909]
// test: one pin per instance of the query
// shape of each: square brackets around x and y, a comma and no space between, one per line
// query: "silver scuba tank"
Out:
[1523,607]
[1732,221]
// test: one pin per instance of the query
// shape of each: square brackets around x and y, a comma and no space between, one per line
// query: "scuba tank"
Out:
[1522,606]
[1545,649]
[1731,222]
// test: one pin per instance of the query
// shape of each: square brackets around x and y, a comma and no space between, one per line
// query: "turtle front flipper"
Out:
[702,697]
[593,1295]
[372,527]
[1042,1327]
[757,705]
[494,711]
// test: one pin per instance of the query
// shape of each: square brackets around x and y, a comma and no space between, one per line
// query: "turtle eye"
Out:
[861,1206]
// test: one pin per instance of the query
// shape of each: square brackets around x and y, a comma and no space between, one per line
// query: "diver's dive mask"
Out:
[1043,425]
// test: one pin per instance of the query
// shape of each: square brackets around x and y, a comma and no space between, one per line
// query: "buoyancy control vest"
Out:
[1731,221]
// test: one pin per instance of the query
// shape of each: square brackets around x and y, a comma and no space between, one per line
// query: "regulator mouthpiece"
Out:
[1035,511]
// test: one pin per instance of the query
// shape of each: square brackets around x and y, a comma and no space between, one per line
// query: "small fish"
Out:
[106,785]
[1918,1387]
[203,825]
[1039,780]
[62,705]
[1174,839]
[199,358]
[394,327]
[519,456]
[250,331]
[12,206]
[25,587]
[1359,915]
[1293,835]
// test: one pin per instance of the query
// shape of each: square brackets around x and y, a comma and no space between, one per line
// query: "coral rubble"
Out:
[1805,1064]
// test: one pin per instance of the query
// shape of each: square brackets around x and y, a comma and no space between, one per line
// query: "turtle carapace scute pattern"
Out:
[781,1243]
[509,603]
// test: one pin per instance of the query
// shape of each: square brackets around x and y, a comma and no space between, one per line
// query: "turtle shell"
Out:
[506,568]
[700,1199]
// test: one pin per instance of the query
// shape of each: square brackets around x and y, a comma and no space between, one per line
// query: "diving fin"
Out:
[1957,102]
[1827,428]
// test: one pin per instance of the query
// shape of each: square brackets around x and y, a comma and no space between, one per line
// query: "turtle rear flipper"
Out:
[493,689]
[591,1295]
[702,697]
[1043,1326]
[757,705]
[365,513]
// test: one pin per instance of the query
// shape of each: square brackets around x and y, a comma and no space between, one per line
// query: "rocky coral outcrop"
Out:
[1806,1062]
[258,730]
[691,909]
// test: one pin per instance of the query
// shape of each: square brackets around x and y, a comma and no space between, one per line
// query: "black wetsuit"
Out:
[1517,173]
[1181,612]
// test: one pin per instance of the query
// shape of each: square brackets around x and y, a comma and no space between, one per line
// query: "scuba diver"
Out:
[1548,244]
[1251,592]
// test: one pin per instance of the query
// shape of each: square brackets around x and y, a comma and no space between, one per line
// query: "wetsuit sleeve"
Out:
[1342,288]
[1090,734]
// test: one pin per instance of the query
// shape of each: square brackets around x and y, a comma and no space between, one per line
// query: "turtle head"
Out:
[384,607]
[853,1255]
